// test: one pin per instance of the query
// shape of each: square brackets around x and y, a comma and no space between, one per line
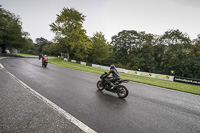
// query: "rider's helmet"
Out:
[45,55]
[112,66]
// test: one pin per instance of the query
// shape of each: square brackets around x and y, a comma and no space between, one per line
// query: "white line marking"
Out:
[68,116]
[1,66]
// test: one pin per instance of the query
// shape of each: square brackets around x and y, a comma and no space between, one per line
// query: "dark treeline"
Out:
[172,53]
[11,33]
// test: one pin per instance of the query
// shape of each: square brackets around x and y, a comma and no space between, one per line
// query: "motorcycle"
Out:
[121,90]
[44,62]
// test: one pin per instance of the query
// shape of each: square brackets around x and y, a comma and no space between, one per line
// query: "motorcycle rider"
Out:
[115,76]
[44,58]
[40,56]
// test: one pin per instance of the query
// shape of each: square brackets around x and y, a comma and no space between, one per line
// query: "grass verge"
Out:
[30,56]
[194,89]
[20,54]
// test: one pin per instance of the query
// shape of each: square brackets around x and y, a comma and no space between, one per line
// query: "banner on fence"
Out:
[162,76]
[132,72]
[187,80]
[146,74]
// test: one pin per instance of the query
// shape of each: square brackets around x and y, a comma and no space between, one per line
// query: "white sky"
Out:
[110,16]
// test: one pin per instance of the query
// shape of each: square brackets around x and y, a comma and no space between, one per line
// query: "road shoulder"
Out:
[23,111]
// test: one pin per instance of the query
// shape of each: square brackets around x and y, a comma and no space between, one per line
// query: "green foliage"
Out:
[101,49]
[11,34]
[41,42]
[193,57]
[71,35]
[29,47]
[173,53]
[175,57]
[134,50]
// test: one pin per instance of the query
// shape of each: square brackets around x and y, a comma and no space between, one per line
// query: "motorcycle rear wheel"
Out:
[100,85]
[122,91]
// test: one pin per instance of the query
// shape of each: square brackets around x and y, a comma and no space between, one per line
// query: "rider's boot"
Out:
[113,86]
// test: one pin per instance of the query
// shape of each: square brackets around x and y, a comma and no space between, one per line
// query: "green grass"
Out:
[76,66]
[31,57]
[194,89]
[25,54]
[2,57]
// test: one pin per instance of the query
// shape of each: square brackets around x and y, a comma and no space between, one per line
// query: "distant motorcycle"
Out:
[121,90]
[44,62]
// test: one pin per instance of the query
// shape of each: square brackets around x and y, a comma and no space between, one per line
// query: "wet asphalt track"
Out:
[147,108]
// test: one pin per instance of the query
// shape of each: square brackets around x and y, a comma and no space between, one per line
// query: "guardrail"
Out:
[146,74]
[152,75]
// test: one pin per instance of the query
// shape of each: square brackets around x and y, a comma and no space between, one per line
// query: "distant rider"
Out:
[115,76]
[44,58]
[40,56]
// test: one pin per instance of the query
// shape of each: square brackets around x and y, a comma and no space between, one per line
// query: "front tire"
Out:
[122,91]
[100,85]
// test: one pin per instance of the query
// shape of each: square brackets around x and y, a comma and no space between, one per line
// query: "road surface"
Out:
[147,109]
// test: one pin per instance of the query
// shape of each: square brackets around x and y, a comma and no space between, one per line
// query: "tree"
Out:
[101,49]
[54,49]
[70,33]
[123,46]
[46,50]
[194,59]
[134,50]
[11,34]
[159,53]
[41,42]
[175,57]
[29,47]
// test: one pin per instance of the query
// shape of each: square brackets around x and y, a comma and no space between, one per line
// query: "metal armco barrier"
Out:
[152,75]
[146,74]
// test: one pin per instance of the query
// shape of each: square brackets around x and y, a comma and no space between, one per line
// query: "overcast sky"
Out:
[110,16]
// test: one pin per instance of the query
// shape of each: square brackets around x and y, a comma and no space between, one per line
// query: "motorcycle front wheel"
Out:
[100,85]
[122,91]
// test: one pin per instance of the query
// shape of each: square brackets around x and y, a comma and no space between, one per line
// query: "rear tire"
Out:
[122,91]
[100,85]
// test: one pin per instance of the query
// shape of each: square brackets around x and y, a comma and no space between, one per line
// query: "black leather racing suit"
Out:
[115,76]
